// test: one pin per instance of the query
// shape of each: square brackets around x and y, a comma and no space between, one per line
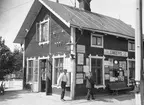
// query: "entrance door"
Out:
[35,77]
[97,71]
[48,78]
[43,74]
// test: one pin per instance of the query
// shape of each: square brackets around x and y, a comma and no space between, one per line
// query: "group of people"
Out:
[63,79]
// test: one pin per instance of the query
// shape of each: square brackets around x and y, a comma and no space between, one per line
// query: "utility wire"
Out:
[72,3]
[87,3]
[15,7]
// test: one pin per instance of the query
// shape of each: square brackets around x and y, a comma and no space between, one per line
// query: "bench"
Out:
[114,87]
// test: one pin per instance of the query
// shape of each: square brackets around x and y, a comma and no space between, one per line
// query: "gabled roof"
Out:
[27,23]
[76,17]
[89,20]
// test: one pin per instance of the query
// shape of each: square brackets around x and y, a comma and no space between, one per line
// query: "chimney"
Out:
[84,4]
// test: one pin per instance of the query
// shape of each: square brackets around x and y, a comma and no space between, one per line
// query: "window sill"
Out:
[42,43]
[131,50]
[96,46]
[99,86]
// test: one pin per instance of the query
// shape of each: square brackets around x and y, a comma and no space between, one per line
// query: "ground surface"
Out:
[16,96]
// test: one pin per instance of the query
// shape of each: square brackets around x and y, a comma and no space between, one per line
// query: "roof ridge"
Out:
[112,24]
[94,13]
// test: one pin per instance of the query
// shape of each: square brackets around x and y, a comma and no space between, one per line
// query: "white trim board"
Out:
[58,16]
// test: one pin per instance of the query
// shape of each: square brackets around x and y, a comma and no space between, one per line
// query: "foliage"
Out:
[5,58]
[9,61]
[17,60]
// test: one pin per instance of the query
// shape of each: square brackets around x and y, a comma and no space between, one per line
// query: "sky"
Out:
[13,13]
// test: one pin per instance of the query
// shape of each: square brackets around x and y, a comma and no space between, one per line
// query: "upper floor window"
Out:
[131,46]
[96,40]
[42,29]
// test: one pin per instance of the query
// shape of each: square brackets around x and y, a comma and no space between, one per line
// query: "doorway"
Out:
[46,75]
[43,75]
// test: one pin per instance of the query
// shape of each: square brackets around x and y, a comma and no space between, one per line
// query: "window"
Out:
[131,46]
[58,68]
[131,69]
[97,70]
[43,69]
[30,71]
[42,31]
[36,71]
[96,40]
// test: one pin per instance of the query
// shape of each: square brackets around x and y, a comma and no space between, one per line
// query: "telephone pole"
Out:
[139,55]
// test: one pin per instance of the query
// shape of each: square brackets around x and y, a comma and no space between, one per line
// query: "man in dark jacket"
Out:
[90,86]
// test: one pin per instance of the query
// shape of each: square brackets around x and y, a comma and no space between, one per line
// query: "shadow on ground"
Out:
[110,98]
[12,94]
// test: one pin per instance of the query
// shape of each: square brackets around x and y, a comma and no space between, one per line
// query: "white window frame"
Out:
[27,71]
[128,71]
[97,36]
[53,68]
[40,32]
[99,57]
[129,46]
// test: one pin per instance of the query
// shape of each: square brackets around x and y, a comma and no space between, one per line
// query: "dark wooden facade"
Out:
[83,37]
[60,35]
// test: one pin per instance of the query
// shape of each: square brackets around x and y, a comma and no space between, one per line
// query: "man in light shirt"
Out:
[62,80]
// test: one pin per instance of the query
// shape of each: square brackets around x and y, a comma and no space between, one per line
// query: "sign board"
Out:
[79,68]
[80,48]
[86,69]
[80,58]
[115,53]
[79,75]
[79,81]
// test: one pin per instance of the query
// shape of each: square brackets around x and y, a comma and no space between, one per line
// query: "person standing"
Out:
[89,86]
[62,80]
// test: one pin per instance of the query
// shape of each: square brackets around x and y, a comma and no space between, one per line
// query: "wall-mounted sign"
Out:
[115,53]
[80,59]
[79,68]
[79,75]
[86,69]
[81,48]
[79,81]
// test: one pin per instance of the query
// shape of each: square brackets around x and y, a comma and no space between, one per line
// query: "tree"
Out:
[17,60]
[6,59]
[10,62]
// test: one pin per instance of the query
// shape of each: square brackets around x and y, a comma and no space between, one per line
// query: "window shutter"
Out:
[48,30]
[37,32]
